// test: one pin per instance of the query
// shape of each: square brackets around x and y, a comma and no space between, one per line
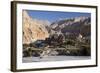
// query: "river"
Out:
[54,58]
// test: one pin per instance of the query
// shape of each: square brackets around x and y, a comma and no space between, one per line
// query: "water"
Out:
[54,58]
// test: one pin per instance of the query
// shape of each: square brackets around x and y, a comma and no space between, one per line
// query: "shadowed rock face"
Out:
[73,25]
[33,29]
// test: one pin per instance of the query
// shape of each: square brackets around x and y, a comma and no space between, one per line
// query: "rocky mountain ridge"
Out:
[77,25]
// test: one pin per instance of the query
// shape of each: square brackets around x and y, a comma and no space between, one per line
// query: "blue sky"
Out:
[52,16]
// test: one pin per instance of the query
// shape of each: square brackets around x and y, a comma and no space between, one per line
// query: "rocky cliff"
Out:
[33,29]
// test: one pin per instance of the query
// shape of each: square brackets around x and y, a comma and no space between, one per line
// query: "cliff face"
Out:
[33,29]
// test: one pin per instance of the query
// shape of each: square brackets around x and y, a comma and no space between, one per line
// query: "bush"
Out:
[86,50]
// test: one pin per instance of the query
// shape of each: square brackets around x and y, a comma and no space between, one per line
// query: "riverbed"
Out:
[54,58]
